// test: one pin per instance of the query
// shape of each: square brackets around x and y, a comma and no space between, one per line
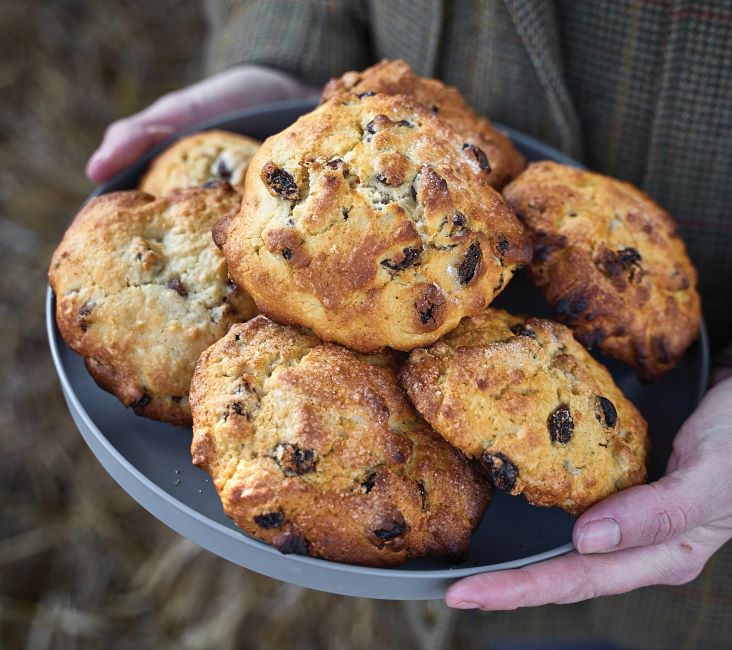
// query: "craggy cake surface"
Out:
[316,450]
[201,158]
[611,264]
[397,78]
[368,222]
[141,290]
[542,416]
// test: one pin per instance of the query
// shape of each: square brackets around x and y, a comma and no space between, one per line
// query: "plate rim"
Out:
[114,462]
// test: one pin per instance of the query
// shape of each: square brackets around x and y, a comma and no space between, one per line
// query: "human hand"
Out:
[126,139]
[657,534]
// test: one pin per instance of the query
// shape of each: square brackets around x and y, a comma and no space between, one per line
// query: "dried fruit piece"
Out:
[369,482]
[609,413]
[411,255]
[629,256]
[294,461]
[561,425]
[379,123]
[279,182]
[428,305]
[235,407]
[569,309]
[470,263]
[501,471]
[624,261]
[545,245]
[499,285]
[479,155]
[292,542]
[422,494]
[523,330]
[391,533]
[426,316]
[141,402]
[176,285]
[83,316]
[270,519]
[392,527]
[223,171]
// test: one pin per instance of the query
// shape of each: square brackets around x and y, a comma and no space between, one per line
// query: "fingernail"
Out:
[465,604]
[599,536]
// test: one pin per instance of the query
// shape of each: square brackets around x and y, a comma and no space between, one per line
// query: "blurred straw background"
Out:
[81,564]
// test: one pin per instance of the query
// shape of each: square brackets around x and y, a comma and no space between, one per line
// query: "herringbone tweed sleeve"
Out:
[311,39]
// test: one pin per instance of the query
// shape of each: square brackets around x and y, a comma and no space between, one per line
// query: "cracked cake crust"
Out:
[141,290]
[397,78]
[543,417]
[316,450]
[611,264]
[198,159]
[369,221]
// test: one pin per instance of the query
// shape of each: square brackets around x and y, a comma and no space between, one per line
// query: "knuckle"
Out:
[535,588]
[592,585]
[172,96]
[580,593]
[667,523]
[585,587]
[116,126]
[170,102]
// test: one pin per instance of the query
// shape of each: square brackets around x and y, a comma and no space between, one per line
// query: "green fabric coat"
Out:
[640,90]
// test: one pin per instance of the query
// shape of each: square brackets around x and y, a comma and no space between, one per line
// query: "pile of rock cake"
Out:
[318,307]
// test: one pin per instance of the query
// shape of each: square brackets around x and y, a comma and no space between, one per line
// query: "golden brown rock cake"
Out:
[611,264]
[543,417]
[141,290]
[397,78]
[204,157]
[316,450]
[369,222]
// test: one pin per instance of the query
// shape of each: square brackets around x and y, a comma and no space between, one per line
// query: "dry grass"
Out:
[81,564]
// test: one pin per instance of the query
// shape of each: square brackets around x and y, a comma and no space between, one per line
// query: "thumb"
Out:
[642,515]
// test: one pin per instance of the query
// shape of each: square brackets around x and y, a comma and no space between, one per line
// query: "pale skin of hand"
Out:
[662,533]
[247,85]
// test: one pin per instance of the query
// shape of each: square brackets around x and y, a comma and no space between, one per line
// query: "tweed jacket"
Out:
[640,89]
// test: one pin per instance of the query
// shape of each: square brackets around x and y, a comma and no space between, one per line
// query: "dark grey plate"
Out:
[151,460]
